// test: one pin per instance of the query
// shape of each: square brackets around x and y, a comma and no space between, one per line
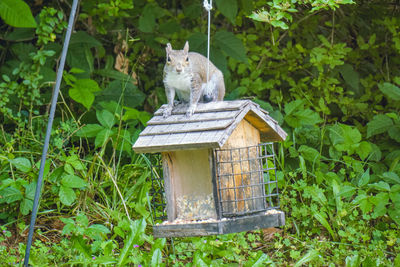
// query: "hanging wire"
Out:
[48,131]
[208,6]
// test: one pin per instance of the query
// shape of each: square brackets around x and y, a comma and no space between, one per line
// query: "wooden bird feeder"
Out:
[218,176]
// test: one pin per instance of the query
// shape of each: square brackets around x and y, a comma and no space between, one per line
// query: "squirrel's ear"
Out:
[168,48]
[186,47]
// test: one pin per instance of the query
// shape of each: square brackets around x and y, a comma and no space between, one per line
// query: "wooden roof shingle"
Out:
[209,127]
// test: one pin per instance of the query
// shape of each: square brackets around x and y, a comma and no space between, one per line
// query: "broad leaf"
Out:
[228,8]
[319,217]
[199,262]
[263,260]
[106,118]
[26,206]
[363,200]
[345,138]
[364,149]
[394,132]
[307,258]
[280,24]
[390,90]
[394,214]
[147,20]
[17,14]
[82,37]
[22,164]
[231,45]
[30,190]
[98,228]
[156,259]
[73,181]
[75,162]
[391,178]
[364,179]
[303,117]
[380,201]
[90,130]
[82,95]
[102,137]
[379,124]
[381,186]
[395,197]
[136,231]
[351,77]
[67,195]
[9,195]
[131,94]
[88,84]
[310,154]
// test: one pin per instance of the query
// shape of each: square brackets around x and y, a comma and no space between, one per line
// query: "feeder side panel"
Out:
[190,176]
[168,186]
[242,173]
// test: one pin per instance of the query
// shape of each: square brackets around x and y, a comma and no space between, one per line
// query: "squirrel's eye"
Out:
[168,59]
[187,59]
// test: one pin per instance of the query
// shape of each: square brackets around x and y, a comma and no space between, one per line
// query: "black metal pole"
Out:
[48,131]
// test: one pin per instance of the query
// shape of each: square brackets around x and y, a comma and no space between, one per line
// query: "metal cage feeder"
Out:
[217,176]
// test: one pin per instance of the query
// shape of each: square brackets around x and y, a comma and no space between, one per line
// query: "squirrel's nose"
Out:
[178,70]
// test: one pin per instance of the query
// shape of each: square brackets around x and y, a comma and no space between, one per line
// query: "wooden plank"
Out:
[253,222]
[164,148]
[225,226]
[182,230]
[142,142]
[197,117]
[207,107]
[169,186]
[186,127]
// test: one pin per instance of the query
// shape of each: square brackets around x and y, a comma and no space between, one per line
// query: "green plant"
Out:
[325,70]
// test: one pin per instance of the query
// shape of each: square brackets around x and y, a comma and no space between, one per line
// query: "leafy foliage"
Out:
[325,70]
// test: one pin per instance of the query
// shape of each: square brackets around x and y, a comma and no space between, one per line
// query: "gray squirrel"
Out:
[185,73]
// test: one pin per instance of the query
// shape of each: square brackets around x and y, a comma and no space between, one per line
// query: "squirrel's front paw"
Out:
[167,112]
[190,111]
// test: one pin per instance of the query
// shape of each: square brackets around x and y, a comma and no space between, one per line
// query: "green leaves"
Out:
[347,138]
[10,194]
[277,15]
[136,231]
[383,123]
[73,181]
[320,218]
[223,42]
[106,118]
[17,14]
[22,164]
[297,115]
[228,8]
[90,130]
[67,195]
[231,45]
[83,91]
[147,20]
[391,91]
[379,124]
[68,184]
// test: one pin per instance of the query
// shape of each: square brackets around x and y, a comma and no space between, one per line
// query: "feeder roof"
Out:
[209,127]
